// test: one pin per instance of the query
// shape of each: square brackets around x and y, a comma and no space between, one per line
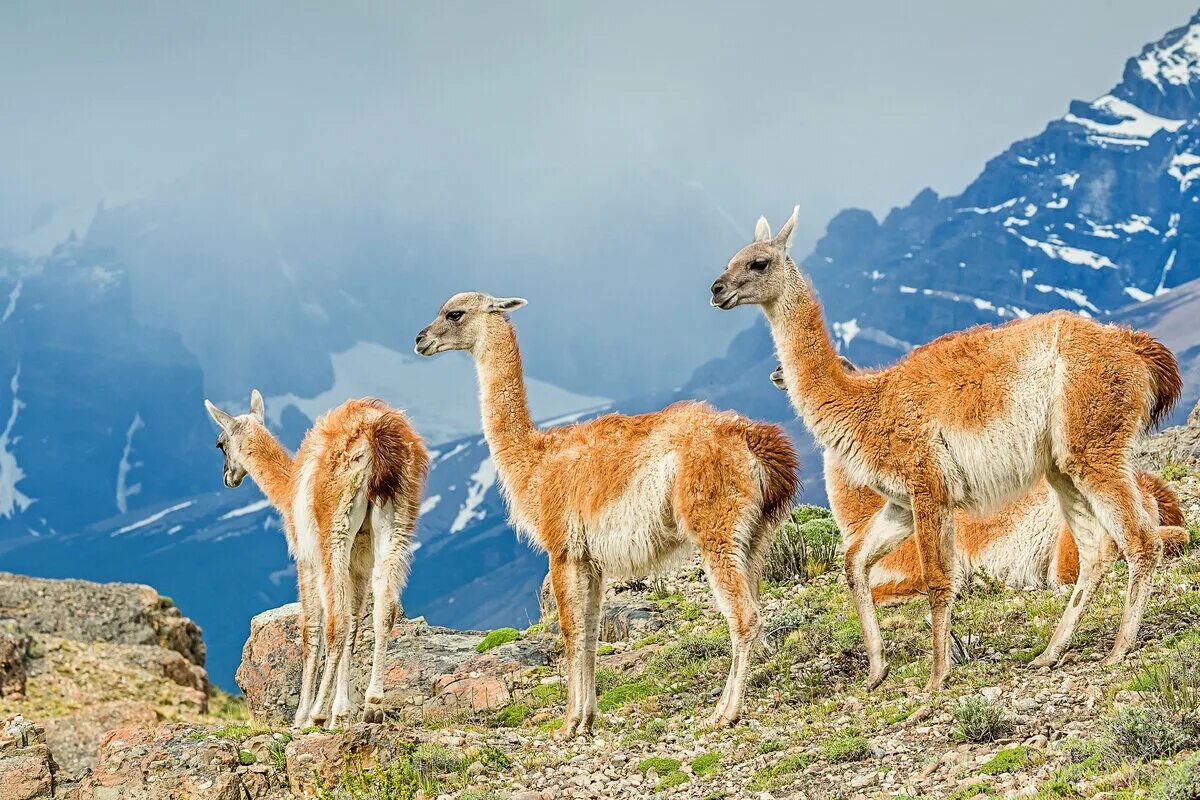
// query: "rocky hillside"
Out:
[471,713]
[81,658]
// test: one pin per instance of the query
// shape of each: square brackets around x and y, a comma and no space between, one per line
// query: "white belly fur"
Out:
[637,534]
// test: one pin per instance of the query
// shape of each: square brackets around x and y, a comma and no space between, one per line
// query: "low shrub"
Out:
[1144,733]
[978,720]
[1182,782]
[805,546]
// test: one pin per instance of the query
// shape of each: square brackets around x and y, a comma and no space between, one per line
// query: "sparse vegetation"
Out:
[805,546]
[788,765]
[1175,472]
[1144,733]
[409,776]
[978,720]
[1011,759]
[1181,782]
[847,747]
[496,638]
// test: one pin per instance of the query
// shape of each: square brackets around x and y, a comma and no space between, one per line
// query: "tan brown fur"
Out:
[897,577]
[970,422]
[622,495]
[349,501]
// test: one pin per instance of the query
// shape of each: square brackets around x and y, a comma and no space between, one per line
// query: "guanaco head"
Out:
[781,382]
[760,271]
[464,322]
[234,431]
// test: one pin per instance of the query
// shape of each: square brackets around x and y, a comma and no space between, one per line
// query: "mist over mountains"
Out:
[117,320]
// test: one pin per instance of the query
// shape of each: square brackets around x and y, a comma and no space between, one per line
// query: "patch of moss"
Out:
[771,746]
[671,781]
[511,716]
[246,758]
[706,764]
[496,638]
[605,650]
[1011,759]
[848,747]
[663,766]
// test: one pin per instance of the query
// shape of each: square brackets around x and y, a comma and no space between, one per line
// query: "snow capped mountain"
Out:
[90,399]
[1095,213]
[106,463]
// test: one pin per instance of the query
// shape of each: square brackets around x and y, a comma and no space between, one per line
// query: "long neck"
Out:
[821,390]
[506,422]
[271,466]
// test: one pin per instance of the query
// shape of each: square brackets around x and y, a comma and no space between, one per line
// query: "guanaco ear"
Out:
[847,364]
[762,231]
[788,231]
[505,304]
[256,406]
[219,416]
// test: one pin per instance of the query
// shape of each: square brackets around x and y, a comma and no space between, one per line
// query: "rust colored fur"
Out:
[349,500]
[624,495]
[898,578]
[970,422]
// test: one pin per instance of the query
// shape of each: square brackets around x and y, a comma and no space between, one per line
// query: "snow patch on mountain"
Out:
[12,499]
[1121,122]
[1176,62]
[252,508]
[125,490]
[477,488]
[153,518]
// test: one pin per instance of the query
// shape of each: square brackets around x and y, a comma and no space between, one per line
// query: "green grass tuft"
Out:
[706,764]
[496,638]
[788,765]
[847,747]
[620,696]
[663,766]
[1011,759]
[511,716]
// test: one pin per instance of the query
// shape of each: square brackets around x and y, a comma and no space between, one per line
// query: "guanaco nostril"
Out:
[420,337]
[718,288]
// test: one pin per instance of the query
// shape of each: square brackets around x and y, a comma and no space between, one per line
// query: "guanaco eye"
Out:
[454,316]
[759,264]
